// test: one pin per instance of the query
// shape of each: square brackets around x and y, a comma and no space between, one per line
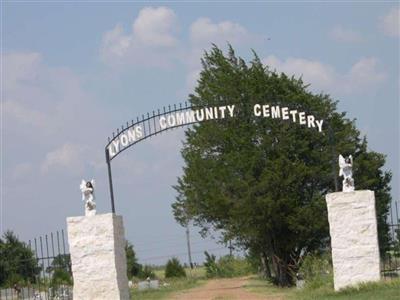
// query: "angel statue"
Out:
[346,170]
[87,189]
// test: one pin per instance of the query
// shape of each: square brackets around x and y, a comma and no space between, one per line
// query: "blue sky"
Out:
[74,72]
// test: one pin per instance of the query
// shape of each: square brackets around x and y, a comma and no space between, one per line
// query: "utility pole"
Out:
[230,247]
[188,246]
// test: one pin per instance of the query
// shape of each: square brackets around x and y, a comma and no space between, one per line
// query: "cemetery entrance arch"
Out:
[186,114]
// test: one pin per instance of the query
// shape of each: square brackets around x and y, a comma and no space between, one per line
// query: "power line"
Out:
[181,254]
[139,249]
[162,240]
[170,240]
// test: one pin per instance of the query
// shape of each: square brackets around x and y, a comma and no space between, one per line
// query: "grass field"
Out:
[263,287]
[387,290]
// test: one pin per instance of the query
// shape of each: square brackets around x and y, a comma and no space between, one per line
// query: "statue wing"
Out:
[342,162]
[92,182]
[83,184]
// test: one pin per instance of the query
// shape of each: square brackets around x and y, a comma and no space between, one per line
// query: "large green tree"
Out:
[263,181]
[17,261]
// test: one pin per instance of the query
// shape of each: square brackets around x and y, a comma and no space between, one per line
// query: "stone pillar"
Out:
[97,248]
[354,237]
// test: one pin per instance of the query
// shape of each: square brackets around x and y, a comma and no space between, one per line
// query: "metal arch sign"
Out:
[183,115]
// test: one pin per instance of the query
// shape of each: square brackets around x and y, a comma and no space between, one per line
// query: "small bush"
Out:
[60,277]
[174,269]
[227,266]
[212,269]
[317,270]
[146,272]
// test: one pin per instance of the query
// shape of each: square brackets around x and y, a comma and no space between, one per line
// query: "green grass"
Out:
[385,290]
[264,287]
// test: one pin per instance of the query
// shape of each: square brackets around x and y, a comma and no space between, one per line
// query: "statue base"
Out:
[354,238]
[97,248]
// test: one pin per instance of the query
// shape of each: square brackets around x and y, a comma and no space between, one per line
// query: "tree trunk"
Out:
[283,276]
[265,266]
[280,263]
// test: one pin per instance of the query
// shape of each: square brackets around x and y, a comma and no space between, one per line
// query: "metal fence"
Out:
[390,258]
[48,272]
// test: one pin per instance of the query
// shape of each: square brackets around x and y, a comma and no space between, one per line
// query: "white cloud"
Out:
[345,35]
[314,72]
[156,27]
[203,32]
[20,68]
[40,96]
[23,114]
[26,103]
[152,41]
[390,23]
[115,43]
[68,157]
[43,107]
[364,75]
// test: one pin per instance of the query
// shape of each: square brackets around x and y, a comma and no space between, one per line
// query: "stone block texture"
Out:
[354,238]
[97,248]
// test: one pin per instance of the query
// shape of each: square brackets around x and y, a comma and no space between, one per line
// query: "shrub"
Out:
[211,266]
[227,266]
[174,269]
[133,268]
[317,270]
[146,272]
[60,277]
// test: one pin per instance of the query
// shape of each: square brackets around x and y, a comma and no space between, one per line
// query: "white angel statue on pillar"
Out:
[87,189]
[346,170]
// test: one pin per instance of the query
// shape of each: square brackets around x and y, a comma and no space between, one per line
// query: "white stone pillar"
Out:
[97,248]
[354,237]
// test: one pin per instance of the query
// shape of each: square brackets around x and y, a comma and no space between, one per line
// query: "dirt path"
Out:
[221,289]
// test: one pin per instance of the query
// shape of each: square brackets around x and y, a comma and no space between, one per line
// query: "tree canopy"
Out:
[133,267]
[60,270]
[17,261]
[263,181]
